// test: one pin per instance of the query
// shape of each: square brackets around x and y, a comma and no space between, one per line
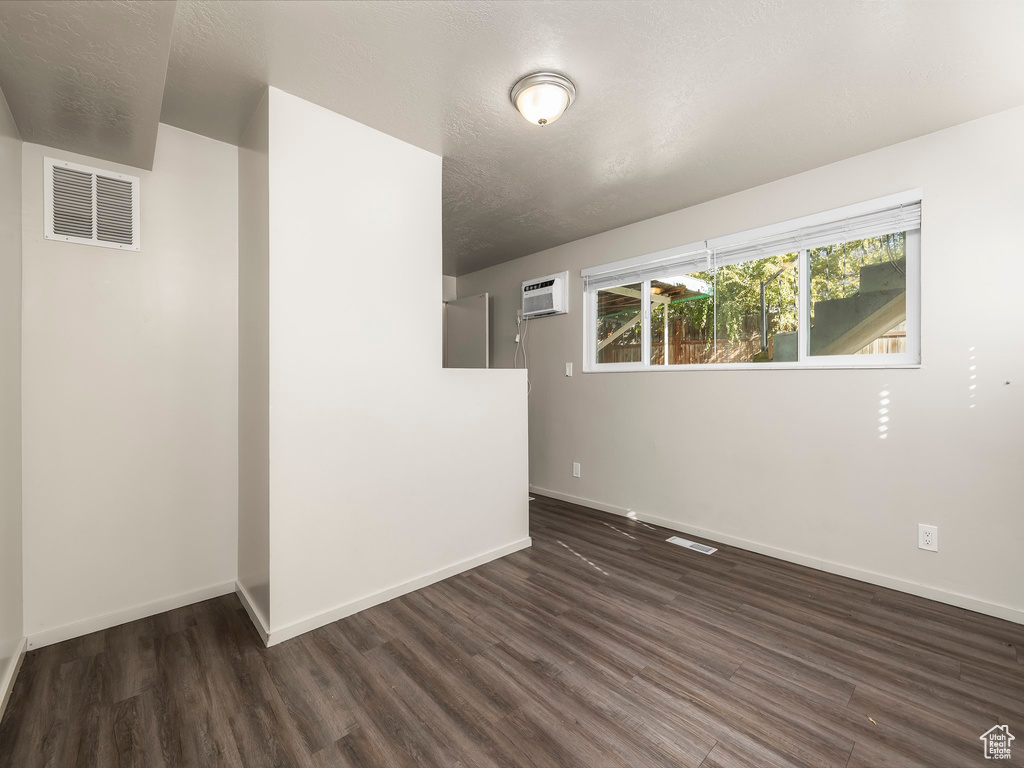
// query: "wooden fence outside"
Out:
[700,351]
[891,343]
[687,352]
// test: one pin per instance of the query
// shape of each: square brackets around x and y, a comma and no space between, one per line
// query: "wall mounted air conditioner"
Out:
[546,296]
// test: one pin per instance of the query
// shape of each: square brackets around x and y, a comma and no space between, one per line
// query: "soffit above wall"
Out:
[87,77]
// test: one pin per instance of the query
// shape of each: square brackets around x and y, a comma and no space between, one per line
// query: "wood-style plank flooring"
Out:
[602,646]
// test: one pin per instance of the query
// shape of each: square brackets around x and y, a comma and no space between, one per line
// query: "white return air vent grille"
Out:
[91,206]
[680,542]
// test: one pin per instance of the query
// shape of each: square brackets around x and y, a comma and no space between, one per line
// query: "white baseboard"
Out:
[10,675]
[254,615]
[108,620]
[921,590]
[307,625]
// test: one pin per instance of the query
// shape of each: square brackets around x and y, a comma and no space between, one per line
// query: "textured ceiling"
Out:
[678,102]
[87,76]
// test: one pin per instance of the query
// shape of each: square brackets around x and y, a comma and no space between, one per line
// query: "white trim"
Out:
[589,338]
[645,323]
[836,366]
[647,259]
[11,674]
[913,267]
[757,233]
[818,219]
[368,601]
[116,618]
[1015,615]
[803,316]
[254,615]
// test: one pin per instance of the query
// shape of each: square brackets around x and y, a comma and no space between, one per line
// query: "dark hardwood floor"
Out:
[602,646]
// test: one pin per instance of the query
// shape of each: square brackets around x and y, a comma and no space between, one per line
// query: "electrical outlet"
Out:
[928,537]
[568,369]
[575,469]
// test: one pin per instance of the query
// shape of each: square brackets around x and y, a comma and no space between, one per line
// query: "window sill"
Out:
[755,367]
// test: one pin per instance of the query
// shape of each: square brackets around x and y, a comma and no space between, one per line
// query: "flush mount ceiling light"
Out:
[543,96]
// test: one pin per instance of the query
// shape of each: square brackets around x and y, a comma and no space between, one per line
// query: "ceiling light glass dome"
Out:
[543,96]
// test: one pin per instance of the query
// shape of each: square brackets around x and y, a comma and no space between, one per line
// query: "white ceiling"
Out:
[678,102]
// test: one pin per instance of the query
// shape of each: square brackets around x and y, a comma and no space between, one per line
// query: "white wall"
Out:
[11,629]
[130,397]
[254,363]
[385,468]
[789,462]
[448,293]
[448,288]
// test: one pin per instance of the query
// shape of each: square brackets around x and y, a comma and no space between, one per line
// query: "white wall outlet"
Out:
[575,469]
[928,537]
[568,369]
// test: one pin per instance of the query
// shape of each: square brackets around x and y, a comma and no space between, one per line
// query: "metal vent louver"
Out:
[91,206]
[72,203]
[114,202]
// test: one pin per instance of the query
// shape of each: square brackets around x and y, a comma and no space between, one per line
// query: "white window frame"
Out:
[909,359]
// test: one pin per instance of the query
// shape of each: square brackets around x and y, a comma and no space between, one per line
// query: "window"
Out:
[619,312]
[859,297]
[837,289]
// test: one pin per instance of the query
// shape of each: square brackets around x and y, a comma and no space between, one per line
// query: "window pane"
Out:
[756,309]
[619,320]
[682,319]
[859,297]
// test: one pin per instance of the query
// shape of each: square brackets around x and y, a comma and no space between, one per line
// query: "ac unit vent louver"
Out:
[91,206]
[534,305]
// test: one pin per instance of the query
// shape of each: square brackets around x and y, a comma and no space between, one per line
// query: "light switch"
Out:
[568,369]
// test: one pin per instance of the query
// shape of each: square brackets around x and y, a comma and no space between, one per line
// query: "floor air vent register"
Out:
[703,548]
